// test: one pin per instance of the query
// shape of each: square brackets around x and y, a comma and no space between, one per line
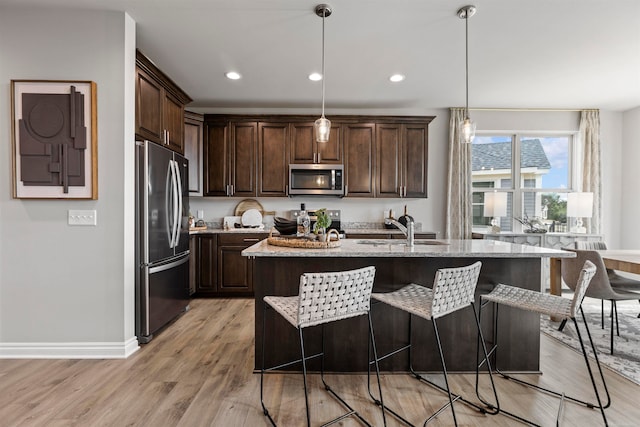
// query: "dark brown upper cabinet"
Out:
[305,149]
[193,135]
[359,159]
[402,156]
[273,166]
[249,155]
[230,159]
[159,106]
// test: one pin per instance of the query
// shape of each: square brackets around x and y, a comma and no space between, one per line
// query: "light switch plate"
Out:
[83,217]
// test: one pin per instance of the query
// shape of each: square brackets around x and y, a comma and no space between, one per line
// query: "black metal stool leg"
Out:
[264,408]
[375,358]
[304,376]
[446,380]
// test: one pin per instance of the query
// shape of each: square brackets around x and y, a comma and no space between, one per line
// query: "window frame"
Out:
[517,191]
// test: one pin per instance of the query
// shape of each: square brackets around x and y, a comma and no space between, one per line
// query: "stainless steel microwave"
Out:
[316,180]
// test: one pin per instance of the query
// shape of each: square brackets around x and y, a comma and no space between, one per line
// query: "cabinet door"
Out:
[207,264]
[305,149]
[415,155]
[272,159]
[173,122]
[243,159]
[359,151]
[303,145]
[149,98]
[193,264]
[388,155]
[235,275]
[216,160]
[193,128]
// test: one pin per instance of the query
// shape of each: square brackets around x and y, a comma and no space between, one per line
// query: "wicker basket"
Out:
[304,243]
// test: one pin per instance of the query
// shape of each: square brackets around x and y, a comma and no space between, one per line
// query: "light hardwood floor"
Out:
[198,372]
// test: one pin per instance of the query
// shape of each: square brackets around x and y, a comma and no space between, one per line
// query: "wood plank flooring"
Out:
[198,372]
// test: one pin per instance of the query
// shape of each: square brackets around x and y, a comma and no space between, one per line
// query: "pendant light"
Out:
[322,126]
[468,126]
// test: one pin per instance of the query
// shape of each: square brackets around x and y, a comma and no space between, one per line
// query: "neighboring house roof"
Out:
[497,155]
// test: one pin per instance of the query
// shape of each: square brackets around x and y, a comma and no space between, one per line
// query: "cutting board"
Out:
[247,204]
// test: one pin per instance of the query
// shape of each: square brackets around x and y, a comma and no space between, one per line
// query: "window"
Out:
[541,167]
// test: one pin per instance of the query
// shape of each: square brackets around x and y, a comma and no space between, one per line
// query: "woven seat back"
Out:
[584,279]
[454,288]
[326,297]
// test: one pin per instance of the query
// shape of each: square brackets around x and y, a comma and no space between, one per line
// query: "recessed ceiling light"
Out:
[233,75]
[315,77]
[396,78]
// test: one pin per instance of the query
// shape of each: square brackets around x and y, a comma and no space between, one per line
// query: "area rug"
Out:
[626,358]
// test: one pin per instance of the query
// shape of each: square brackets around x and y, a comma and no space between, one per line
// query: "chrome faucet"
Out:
[407,231]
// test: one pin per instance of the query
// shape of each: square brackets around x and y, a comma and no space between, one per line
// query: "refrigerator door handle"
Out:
[169,204]
[174,204]
[179,196]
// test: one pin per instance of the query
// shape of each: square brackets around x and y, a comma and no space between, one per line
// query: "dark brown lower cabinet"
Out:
[235,276]
[206,264]
[220,268]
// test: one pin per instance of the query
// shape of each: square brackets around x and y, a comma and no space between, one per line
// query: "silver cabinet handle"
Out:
[168,138]
[232,190]
[251,240]
[346,190]
[286,190]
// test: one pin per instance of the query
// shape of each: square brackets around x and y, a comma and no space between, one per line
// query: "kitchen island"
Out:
[277,270]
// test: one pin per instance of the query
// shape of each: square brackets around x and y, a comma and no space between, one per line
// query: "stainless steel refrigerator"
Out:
[162,237]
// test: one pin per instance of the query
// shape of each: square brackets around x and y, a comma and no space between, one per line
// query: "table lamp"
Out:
[495,206]
[579,205]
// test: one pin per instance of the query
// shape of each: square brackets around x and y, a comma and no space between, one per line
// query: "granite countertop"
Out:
[422,248]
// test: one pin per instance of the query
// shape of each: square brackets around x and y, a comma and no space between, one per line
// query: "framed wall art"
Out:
[54,139]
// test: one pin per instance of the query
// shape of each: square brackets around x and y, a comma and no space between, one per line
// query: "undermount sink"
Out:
[385,242]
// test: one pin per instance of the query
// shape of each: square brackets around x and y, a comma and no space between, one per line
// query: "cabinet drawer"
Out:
[241,239]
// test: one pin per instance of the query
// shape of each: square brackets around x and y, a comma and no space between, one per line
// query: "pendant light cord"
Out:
[466,43]
[324,12]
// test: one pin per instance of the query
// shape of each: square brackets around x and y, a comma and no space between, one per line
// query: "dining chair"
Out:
[453,290]
[322,298]
[551,305]
[600,287]
[618,281]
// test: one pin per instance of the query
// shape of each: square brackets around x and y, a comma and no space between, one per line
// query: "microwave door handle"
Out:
[333,179]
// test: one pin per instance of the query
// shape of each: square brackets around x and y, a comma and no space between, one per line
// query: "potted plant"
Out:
[323,221]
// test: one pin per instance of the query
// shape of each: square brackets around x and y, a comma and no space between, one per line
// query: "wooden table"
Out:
[622,259]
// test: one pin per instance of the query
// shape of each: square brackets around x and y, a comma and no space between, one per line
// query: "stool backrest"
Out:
[326,297]
[454,288]
[584,279]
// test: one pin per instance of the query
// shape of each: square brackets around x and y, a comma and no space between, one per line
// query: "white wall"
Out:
[69,290]
[630,161]
[429,212]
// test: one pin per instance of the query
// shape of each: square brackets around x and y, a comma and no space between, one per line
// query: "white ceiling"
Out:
[522,54]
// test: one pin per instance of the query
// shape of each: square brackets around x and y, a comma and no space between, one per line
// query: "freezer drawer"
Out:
[163,296]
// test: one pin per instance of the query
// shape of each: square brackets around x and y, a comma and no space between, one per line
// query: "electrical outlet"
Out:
[200,214]
[78,217]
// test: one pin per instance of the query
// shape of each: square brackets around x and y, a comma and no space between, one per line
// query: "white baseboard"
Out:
[70,350]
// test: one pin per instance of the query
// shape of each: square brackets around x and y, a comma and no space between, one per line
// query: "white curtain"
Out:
[589,138]
[459,207]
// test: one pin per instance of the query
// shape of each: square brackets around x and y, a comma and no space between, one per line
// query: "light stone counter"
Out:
[358,248]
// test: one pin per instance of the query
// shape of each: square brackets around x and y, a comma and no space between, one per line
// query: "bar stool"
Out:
[563,308]
[453,290]
[322,298]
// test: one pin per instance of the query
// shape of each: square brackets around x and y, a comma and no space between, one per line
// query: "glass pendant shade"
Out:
[468,130]
[322,129]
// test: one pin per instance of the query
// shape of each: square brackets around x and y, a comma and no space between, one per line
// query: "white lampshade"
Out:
[495,204]
[580,205]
